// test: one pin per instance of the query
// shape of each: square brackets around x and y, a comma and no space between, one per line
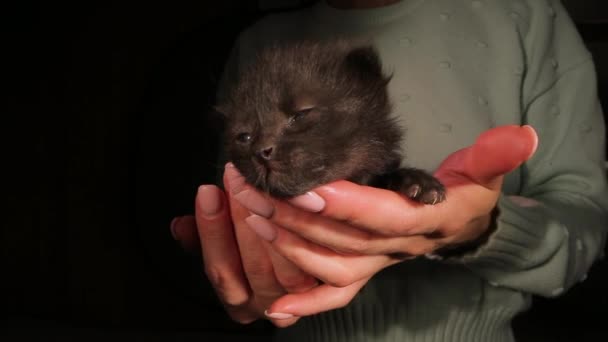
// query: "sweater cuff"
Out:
[525,237]
[514,235]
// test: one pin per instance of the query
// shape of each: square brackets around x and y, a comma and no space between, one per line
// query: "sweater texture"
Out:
[459,68]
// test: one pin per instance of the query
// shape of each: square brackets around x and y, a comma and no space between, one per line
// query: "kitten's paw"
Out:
[420,186]
[432,194]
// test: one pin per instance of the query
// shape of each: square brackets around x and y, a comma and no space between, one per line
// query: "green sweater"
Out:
[461,67]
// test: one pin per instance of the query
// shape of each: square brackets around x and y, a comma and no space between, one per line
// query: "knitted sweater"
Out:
[461,67]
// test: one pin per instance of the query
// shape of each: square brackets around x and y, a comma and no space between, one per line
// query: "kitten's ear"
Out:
[217,117]
[221,113]
[220,110]
[365,62]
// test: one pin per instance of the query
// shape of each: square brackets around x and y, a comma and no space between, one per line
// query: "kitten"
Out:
[306,114]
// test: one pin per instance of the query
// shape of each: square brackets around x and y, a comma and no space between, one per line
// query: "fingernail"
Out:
[235,180]
[247,197]
[262,227]
[229,165]
[210,203]
[277,315]
[310,201]
[255,202]
[173,227]
[533,132]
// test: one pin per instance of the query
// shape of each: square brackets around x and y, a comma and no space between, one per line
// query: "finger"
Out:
[245,194]
[220,251]
[183,230]
[495,152]
[500,150]
[377,210]
[283,322]
[257,265]
[344,237]
[318,261]
[291,277]
[320,299]
[380,211]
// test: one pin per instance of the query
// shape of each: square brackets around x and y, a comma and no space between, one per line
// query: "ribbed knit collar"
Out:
[364,17]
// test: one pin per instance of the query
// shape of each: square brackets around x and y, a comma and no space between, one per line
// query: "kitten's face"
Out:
[305,116]
[289,149]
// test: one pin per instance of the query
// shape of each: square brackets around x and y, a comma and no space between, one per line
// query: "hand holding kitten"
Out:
[360,229]
[246,273]
[314,93]
[247,277]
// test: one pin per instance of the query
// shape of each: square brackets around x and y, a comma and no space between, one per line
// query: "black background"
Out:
[105,139]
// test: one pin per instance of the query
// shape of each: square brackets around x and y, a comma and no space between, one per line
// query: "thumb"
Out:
[495,152]
[316,300]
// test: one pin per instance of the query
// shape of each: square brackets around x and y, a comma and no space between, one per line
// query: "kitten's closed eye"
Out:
[300,114]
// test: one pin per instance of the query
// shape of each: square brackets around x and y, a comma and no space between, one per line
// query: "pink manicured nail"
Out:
[246,195]
[277,315]
[533,131]
[211,203]
[174,227]
[255,202]
[235,179]
[262,227]
[310,201]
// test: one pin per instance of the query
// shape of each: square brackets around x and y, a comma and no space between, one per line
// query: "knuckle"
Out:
[232,300]
[296,257]
[295,282]
[342,278]
[266,295]
[421,249]
[284,214]
[406,224]
[394,231]
[258,269]
[242,317]
[352,218]
[223,288]
[245,320]
[363,245]
[284,323]
[415,250]
[341,304]
[215,276]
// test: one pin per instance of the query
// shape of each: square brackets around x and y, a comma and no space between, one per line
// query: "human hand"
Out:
[246,274]
[358,229]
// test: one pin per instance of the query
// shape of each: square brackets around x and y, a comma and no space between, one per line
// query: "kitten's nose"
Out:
[265,153]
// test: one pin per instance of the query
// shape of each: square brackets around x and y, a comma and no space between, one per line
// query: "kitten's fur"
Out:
[308,113]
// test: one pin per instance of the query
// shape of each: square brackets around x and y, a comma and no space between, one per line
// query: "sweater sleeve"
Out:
[547,238]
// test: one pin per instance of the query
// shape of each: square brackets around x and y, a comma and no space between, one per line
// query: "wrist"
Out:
[488,227]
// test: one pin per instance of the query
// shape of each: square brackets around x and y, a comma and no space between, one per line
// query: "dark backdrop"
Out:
[105,139]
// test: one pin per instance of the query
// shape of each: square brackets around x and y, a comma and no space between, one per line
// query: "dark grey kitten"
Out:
[308,113]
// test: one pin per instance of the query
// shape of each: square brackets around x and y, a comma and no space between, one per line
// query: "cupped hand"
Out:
[245,272]
[343,233]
